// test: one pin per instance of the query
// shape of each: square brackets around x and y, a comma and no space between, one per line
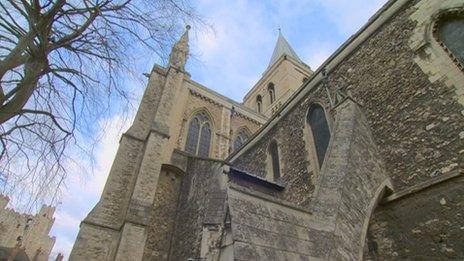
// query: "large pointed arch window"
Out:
[271,91]
[259,103]
[240,139]
[273,160]
[449,31]
[199,135]
[320,131]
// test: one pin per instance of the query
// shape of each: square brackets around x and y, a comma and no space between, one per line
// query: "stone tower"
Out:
[145,174]
[283,76]
[31,230]
[117,226]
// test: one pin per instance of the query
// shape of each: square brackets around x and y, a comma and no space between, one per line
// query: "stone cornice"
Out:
[219,100]
[423,185]
[204,97]
[214,102]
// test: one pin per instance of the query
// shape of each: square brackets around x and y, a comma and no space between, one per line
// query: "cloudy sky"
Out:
[229,59]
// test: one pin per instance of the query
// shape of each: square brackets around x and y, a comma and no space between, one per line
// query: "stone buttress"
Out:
[116,228]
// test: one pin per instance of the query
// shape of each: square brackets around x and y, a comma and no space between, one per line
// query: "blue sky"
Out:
[229,58]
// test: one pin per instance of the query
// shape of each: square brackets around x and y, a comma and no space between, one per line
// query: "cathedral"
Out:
[359,159]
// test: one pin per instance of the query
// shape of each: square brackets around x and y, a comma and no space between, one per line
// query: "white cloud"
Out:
[350,15]
[231,59]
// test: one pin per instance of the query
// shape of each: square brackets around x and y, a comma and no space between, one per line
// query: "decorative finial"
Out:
[179,52]
[280,29]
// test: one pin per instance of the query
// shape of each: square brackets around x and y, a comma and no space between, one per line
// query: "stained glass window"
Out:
[205,140]
[242,136]
[199,135]
[320,130]
[451,33]
[274,152]
[192,136]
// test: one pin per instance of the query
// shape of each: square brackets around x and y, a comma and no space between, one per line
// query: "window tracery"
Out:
[448,30]
[199,135]
[240,139]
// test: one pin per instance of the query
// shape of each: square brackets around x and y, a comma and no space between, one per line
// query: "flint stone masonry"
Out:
[394,126]
[348,188]
[201,202]
[266,230]
[428,225]
[399,102]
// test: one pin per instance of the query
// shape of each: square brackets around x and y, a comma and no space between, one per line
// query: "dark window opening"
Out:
[271,90]
[449,31]
[259,103]
[274,152]
[320,130]
[242,136]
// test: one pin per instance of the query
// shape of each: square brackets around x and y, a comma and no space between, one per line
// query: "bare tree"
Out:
[60,70]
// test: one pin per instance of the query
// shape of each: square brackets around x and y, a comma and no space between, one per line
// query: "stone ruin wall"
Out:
[35,238]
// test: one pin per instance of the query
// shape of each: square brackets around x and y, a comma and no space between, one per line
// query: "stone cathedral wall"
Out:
[417,125]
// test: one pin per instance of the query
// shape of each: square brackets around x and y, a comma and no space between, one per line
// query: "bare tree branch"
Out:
[61,71]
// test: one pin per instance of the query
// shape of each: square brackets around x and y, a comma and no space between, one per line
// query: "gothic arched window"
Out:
[320,131]
[449,31]
[199,135]
[259,103]
[271,90]
[273,156]
[242,136]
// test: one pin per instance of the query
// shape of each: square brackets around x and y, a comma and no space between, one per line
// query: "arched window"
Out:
[320,131]
[449,31]
[259,103]
[273,156]
[241,137]
[271,90]
[199,135]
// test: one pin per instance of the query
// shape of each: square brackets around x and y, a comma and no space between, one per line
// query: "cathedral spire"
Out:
[282,47]
[180,51]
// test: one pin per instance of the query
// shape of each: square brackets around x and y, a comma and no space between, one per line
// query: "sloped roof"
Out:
[282,48]
[263,229]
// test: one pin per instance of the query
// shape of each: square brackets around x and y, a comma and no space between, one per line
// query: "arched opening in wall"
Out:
[448,30]
[240,138]
[319,131]
[273,161]
[259,103]
[369,247]
[199,135]
[271,91]
[161,226]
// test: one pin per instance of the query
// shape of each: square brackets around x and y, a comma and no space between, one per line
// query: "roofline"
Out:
[350,45]
[271,69]
[229,103]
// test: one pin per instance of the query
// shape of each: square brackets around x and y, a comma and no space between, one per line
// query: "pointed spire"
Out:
[180,51]
[282,47]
